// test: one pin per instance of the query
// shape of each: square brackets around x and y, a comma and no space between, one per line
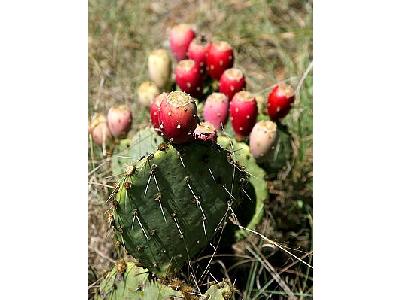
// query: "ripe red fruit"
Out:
[243,110]
[99,130]
[205,131]
[215,109]
[188,78]
[119,120]
[198,51]
[154,109]
[262,139]
[231,82]
[179,39]
[178,117]
[220,58]
[280,100]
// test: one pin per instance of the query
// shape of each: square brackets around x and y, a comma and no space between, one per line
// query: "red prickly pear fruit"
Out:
[205,131]
[220,58]
[179,39]
[243,110]
[280,101]
[198,51]
[262,139]
[154,109]
[146,92]
[99,130]
[119,120]
[178,117]
[188,78]
[215,109]
[231,82]
[159,67]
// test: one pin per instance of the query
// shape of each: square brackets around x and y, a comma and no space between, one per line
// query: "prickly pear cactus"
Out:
[172,202]
[242,155]
[127,281]
[220,291]
[143,143]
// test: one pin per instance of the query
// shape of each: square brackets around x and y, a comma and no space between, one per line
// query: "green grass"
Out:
[272,41]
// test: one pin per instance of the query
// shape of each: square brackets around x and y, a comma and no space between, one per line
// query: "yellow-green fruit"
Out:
[159,65]
[146,92]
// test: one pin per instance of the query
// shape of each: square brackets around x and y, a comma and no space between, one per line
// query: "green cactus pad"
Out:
[241,154]
[171,203]
[143,143]
[221,291]
[133,284]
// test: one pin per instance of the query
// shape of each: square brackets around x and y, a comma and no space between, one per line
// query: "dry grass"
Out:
[272,41]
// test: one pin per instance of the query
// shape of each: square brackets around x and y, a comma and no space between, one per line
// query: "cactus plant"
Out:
[171,203]
[129,281]
[159,67]
[205,131]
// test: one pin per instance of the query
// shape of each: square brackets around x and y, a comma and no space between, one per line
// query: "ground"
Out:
[272,42]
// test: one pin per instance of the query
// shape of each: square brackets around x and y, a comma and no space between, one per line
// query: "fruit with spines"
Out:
[119,119]
[280,101]
[180,38]
[188,77]
[154,108]
[178,117]
[243,114]
[216,109]
[171,203]
[220,57]
[99,130]
[198,51]
[262,139]
[205,131]
[159,67]
[146,92]
[231,82]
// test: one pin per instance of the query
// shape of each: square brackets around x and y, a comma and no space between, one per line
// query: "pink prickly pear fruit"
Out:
[119,120]
[231,82]
[198,51]
[179,39]
[205,131]
[178,117]
[243,111]
[220,58]
[99,130]
[280,101]
[215,109]
[188,78]
[159,67]
[262,139]
[154,109]
[146,93]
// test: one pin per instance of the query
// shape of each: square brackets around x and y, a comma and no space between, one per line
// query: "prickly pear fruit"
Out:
[220,58]
[243,110]
[146,92]
[205,131]
[178,117]
[99,130]
[280,100]
[198,51]
[262,139]
[216,109]
[231,82]
[119,120]
[154,108]
[179,39]
[159,66]
[188,77]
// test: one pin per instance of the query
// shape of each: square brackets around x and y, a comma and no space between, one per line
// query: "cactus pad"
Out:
[171,203]
[241,154]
